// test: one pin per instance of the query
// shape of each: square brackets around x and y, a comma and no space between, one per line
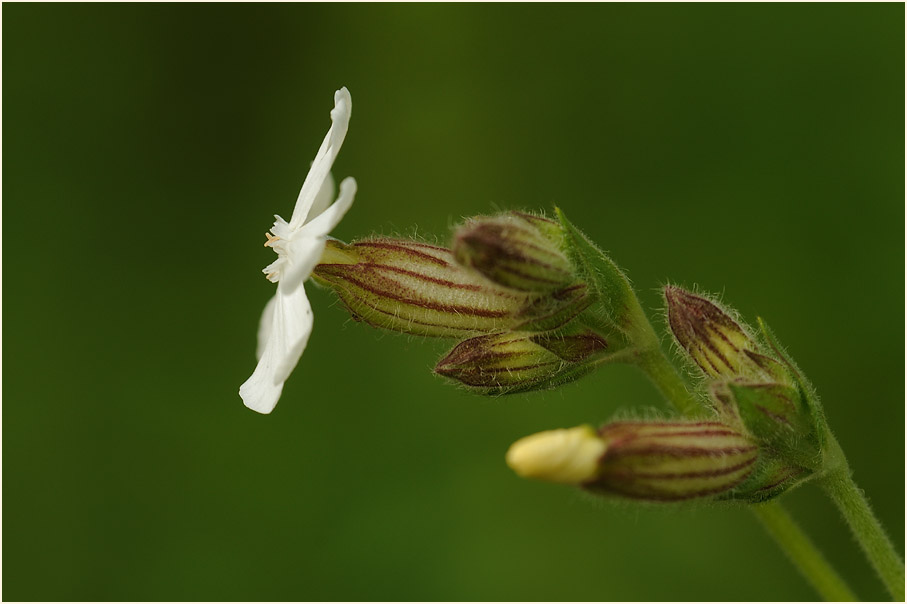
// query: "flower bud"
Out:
[653,461]
[672,461]
[418,289]
[510,362]
[515,250]
[715,341]
[568,456]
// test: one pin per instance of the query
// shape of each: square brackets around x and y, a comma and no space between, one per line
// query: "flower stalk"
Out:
[866,528]
[803,553]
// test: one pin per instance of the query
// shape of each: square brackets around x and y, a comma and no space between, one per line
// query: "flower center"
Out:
[277,239]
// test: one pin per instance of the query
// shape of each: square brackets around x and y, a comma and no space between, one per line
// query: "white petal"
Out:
[324,159]
[303,253]
[264,326]
[325,196]
[325,222]
[291,325]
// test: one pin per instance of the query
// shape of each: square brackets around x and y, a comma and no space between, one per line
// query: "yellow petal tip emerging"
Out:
[567,456]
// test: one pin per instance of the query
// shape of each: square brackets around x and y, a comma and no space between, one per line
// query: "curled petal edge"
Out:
[291,326]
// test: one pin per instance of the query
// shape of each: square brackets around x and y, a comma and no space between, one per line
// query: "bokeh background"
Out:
[752,150]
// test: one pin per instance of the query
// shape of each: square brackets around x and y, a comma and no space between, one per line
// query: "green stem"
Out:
[669,382]
[867,530]
[803,553]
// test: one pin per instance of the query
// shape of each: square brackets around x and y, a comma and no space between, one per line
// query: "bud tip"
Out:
[710,335]
[568,456]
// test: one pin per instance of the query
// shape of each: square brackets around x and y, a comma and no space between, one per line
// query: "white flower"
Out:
[286,322]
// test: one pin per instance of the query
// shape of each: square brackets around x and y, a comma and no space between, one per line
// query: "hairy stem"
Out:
[803,553]
[669,382]
[866,529]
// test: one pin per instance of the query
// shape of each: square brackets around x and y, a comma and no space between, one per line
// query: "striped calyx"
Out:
[715,341]
[772,412]
[516,250]
[504,363]
[780,419]
[672,461]
[771,477]
[417,288]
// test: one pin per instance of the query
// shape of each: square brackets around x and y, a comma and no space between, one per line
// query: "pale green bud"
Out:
[510,362]
[418,289]
[516,250]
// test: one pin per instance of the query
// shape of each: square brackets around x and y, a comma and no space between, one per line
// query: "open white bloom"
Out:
[286,322]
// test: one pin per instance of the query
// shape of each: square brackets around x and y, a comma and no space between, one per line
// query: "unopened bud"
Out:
[516,250]
[715,341]
[654,461]
[510,362]
[568,456]
[418,289]
[671,461]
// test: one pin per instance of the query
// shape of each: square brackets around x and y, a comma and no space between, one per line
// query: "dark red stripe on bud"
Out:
[552,311]
[671,461]
[515,250]
[418,289]
[771,477]
[714,340]
[510,362]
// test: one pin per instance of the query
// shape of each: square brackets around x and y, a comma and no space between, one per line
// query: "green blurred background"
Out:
[754,150]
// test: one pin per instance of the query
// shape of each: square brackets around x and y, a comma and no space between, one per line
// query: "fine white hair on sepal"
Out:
[286,322]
